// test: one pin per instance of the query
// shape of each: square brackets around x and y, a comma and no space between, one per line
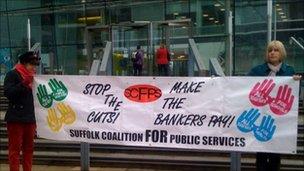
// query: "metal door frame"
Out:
[139,24]
[88,38]
[167,24]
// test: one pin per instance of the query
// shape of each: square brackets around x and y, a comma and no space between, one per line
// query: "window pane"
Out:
[2,5]
[250,34]
[18,30]
[6,63]
[72,60]
[4,39]
[67,2]
[70,25]
[148,11]
[208,17]
[96,14]
[22,4]
[290,30]
[41,28]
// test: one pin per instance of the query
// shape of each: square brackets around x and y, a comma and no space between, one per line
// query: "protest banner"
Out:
[252,114]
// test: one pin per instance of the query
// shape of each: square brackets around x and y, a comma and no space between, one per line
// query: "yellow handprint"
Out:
[53,121]
[68,116]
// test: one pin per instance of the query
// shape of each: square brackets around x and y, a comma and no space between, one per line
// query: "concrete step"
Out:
[193,161]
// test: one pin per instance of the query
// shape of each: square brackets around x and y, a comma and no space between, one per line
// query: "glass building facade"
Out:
[62,27]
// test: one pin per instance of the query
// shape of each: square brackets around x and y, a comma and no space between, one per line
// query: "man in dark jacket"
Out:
[20,116]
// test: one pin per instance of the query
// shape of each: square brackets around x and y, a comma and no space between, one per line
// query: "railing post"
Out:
[103,68]
[269,20]
[85,156]
[235,163]
[190,62]
[29,34]
[37,49]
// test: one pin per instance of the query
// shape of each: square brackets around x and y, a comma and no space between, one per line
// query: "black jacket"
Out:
[21,104]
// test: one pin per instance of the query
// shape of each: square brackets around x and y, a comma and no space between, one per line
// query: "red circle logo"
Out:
[142,93]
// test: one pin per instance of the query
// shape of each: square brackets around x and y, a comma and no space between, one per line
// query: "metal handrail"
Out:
[102,66]
[197,59]
[106,62]
[215,68]
[292,39]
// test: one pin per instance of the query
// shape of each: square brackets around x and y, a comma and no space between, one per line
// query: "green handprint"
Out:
[59,90]
[44,98]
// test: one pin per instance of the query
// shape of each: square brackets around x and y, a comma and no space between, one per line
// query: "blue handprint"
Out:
[265,131]
[245,122]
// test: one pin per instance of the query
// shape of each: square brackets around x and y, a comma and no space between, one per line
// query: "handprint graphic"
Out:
[68,116]
[245,122]
[59,93]
[259,95]
[265,131]
[53,120]
[279,105]
[283,101]
[44,98]
[59,90]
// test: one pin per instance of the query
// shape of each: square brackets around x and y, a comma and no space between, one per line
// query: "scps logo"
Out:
[142,93]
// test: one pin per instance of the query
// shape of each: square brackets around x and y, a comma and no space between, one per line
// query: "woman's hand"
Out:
[297,77]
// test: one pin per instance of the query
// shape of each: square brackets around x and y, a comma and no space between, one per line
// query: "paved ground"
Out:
[4,167]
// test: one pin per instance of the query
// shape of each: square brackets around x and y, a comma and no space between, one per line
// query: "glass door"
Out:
[96,37]
[126,37]
[175,34]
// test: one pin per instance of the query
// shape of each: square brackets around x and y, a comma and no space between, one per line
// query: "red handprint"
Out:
[259,95]
[283,102]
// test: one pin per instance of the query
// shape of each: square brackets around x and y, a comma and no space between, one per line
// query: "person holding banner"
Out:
[274,66]
[20,116]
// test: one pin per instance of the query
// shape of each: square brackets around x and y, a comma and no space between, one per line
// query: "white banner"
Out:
[252,114]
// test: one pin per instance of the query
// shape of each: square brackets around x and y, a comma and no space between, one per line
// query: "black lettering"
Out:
[158,120]
[176,87]
[187,87]
[205,140]
[242,142]
[99,88]
[72,133]
[199,86]
[201,120]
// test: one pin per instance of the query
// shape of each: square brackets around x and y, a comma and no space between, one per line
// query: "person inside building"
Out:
[138,61]
[274,66]
[20,116]
[162,60]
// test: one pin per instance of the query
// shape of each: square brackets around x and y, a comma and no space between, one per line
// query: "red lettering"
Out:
[142,93]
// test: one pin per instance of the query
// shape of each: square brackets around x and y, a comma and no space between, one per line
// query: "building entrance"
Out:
[95,38]
[175,34]
[126,36]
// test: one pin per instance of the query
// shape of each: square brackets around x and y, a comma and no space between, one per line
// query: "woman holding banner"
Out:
[20,116]
[273,66]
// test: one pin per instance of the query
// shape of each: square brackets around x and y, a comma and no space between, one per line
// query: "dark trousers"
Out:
[20,138]
[163,70]
[268,161]
[137,69]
